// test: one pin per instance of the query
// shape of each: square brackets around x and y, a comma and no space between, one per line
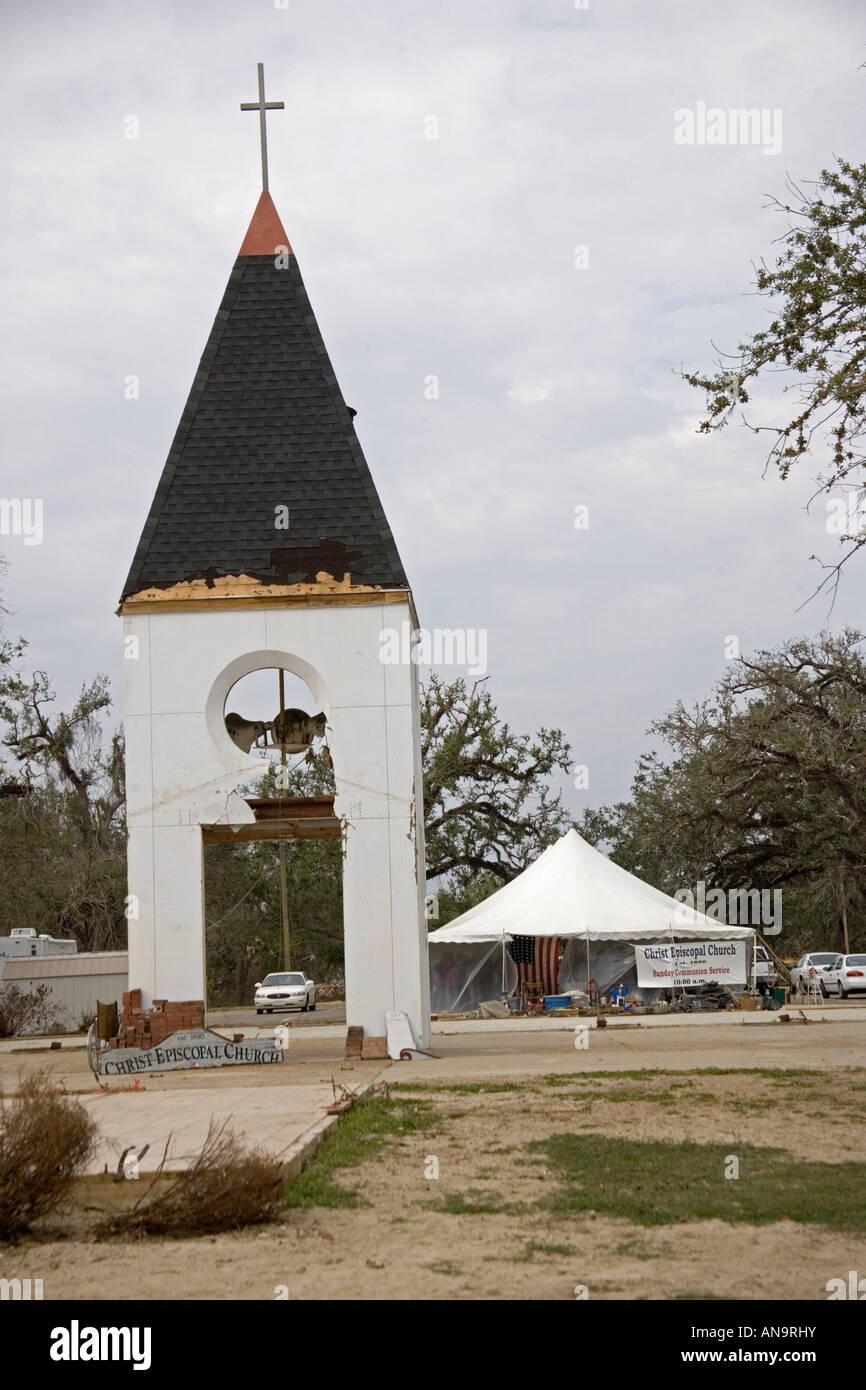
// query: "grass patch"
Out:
[537,1247]
[636,1249]
[476,1202]
[672,1096]
[790,1074]
[461,1088]
[660,1182]
[630,1094]
[360,1135]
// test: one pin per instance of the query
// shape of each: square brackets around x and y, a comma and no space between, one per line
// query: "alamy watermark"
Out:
[735,126]
[20,1290]
[439,646]
[22,516]
[77,1343]
[846,516]
[743,907]
[855,1288]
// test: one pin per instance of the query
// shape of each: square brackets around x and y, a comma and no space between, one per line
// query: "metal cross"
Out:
[262,106]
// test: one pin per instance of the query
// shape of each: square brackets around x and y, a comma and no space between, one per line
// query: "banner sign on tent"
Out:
[691,963]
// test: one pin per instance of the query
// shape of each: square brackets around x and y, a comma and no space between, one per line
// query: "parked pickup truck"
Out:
[766,974]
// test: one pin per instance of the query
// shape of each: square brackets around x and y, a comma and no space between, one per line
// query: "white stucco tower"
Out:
[266,546]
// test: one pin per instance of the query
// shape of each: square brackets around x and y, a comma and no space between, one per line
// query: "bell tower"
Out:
[266,546]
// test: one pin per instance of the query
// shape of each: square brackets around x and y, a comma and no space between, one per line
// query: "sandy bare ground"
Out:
[397,1246]
[359,1255]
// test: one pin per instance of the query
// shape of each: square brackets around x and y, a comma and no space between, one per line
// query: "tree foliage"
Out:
[62,848]
[489,805]
[817,293]
[764,787]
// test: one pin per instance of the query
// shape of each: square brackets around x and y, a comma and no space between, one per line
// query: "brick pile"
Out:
[368,1048]
[148,1028]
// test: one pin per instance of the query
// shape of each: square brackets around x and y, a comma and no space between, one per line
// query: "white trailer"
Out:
[27,942]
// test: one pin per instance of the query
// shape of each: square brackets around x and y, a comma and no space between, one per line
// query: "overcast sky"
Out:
[451,257]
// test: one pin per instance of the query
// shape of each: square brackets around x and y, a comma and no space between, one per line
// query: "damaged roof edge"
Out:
[265,423]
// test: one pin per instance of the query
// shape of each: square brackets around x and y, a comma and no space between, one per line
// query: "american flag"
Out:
[537,961]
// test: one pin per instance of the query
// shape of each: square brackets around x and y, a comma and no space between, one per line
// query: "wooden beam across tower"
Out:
[281,818]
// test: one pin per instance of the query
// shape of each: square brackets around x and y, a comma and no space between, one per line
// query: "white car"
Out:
[810,967]
[291,989]
[846,975]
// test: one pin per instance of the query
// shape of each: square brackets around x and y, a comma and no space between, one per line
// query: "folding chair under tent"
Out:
[574,892]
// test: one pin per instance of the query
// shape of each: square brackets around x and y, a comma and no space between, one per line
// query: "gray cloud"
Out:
[452,257]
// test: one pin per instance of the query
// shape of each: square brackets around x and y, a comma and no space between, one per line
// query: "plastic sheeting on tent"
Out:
[466,975]
[573,891]
[609,963]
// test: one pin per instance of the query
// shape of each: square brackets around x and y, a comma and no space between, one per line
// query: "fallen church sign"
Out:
[191,1047]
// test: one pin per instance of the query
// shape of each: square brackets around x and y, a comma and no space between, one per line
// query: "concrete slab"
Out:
[815,1045]
[278,1119]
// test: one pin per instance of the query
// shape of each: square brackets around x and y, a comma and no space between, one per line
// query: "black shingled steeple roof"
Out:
[265,426]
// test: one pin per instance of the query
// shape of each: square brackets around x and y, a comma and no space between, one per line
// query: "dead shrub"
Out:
[228,1186]
[46,1140]
[27,1011]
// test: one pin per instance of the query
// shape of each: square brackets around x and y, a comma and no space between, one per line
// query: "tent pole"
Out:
[671,935]
[673,943]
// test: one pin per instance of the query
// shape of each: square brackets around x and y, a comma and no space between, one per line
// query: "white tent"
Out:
[571,891]
[574,890]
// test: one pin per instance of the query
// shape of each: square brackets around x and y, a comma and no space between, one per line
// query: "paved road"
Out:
[336,1013]
[683,1046]
[248,1018]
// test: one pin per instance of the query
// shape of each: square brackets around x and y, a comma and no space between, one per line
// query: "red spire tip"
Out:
[266,235]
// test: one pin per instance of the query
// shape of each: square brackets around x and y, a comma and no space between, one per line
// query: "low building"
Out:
[77,982]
